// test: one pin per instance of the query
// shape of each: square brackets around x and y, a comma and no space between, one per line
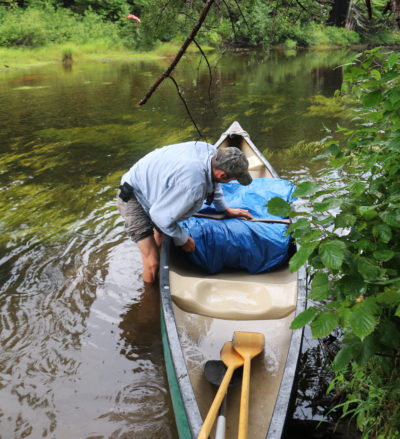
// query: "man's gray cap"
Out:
[234,163]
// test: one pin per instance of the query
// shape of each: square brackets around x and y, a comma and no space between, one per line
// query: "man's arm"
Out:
[221,206]
[219,200]
[189,245]
[238,213]
[173,205]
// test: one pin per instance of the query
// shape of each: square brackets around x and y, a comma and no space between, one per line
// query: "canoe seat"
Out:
[233,300]
[257,168]
[255,164]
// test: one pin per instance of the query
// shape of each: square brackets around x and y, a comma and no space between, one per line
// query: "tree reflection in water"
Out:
[310,404]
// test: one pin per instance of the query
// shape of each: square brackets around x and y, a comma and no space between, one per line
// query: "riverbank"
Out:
[23,57]
[20,58]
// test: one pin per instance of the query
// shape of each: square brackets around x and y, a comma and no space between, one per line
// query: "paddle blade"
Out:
[230,356]
[232,361]
[215,370]
[248,344]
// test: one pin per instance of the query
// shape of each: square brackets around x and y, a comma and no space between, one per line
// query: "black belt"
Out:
[126,191]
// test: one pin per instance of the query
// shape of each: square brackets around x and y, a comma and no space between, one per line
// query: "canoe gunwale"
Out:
[231,131]
[180,370]
[279,415]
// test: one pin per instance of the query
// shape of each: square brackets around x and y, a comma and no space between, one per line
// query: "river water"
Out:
[81,354]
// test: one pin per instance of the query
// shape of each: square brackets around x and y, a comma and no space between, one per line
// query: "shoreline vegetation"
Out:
[20,58]
[24,57]
[43,32]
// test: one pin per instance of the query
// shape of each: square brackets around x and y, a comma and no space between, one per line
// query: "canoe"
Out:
[194,332]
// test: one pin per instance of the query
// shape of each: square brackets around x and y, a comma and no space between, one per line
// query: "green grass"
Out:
[97,50]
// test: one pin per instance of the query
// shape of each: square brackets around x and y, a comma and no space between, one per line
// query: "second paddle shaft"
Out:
[244,400]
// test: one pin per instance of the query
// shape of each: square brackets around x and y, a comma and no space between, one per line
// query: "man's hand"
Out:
[238,213]
[189,245]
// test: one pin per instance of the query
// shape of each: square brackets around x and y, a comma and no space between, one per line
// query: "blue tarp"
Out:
[254,246]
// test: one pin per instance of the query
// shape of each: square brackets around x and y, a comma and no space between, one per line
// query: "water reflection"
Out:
[80,336]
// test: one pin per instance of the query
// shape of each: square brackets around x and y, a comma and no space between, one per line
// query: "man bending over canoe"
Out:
[169,185]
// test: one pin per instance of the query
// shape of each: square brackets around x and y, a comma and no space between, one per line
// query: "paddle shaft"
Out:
[213,411]
[221,216]
[244,399]
[221,421]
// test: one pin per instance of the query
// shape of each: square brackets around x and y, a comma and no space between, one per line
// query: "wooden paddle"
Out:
[222,216]
[214,372]
[248,345]
[232,361]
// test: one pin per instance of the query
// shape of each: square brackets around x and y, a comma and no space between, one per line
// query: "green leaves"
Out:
[306,188]
[301,256]
[391,218]
[392,60]
[389,298]
[332,253]
[327,204]
[368,269]
[303,318]
[343,358]
[348,232]
[373,99]
[324,324]
[320,288]
[279,207]
[362,322]
[384,255]
[382,232]
[367,212]
[356,263]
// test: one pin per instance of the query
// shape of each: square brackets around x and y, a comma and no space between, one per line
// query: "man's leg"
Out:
[150,257]
[139,228]
[158,237]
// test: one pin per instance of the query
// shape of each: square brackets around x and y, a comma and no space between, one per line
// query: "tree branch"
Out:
[369,9]
[182,50]
[244,18]
[185,104]
[209,68]
[304,9]
[230,19]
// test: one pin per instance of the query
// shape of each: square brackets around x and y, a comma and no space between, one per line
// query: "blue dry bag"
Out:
[235,243]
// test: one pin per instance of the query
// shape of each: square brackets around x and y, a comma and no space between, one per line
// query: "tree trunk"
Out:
[338,14]
[396,11]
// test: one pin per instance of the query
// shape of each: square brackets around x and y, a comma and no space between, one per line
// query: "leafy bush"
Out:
[349,232]
[35,27]
[112,10]
[290,44]
[333,36]
[21,28]
[382,37]
[265,24]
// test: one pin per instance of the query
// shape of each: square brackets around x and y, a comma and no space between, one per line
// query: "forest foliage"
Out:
[349,235]
[34,23]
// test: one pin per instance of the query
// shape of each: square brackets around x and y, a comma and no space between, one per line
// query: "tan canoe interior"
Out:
[210,308]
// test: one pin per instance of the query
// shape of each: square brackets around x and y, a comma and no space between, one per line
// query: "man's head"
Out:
[231,164]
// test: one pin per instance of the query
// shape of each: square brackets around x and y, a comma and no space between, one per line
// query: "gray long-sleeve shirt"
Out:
[172,182]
